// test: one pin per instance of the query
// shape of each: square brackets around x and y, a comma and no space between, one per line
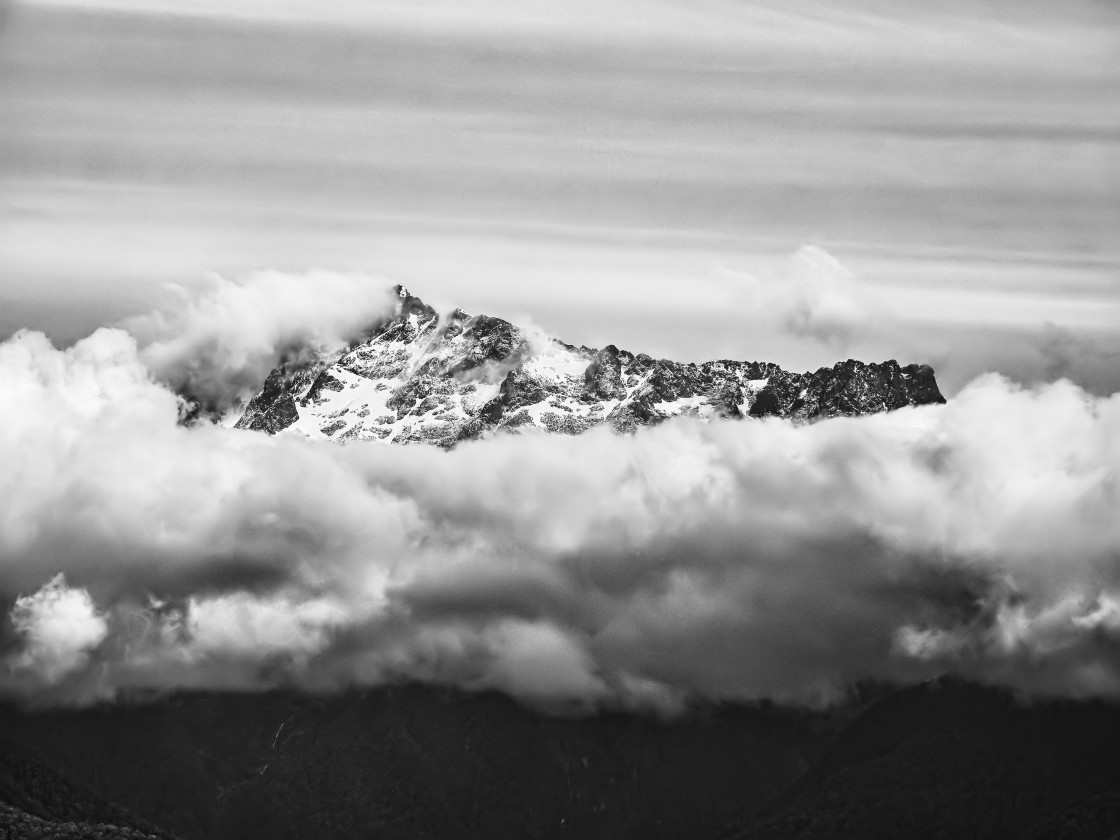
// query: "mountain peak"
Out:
[421,377]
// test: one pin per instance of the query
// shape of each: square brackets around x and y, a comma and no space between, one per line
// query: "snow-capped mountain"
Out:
[422,378]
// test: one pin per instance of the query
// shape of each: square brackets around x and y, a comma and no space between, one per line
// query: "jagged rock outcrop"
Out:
[419,377]
[847,388]
[603,378]
[274,408]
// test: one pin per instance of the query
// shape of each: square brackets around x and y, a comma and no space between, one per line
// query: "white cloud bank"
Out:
[729,560]
[219,344]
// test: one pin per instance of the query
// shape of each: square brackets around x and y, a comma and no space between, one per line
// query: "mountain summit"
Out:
[419,377]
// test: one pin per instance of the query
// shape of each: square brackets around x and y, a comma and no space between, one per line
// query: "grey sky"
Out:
[610,170]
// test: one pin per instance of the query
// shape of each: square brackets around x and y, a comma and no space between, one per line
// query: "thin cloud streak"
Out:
[952,28]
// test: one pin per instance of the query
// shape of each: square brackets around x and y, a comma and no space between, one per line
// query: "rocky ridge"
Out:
[419,377]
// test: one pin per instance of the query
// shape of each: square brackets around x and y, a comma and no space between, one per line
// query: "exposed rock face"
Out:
[422,378]
[603,378]
[274,408]
[847,388]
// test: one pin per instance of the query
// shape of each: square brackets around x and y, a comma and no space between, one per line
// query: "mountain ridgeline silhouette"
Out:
[420,377]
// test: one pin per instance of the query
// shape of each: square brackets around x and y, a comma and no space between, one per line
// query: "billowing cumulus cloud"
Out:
[722,560]
[812,296]
[219,345]
[57,626]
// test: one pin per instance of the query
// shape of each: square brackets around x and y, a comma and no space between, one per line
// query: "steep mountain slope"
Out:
[419,377]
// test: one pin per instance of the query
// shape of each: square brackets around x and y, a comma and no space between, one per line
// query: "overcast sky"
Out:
[635,172]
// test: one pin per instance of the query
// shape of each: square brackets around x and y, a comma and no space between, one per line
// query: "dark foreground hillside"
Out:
[415,763]
[954,760]
[36,801]
[942,760]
